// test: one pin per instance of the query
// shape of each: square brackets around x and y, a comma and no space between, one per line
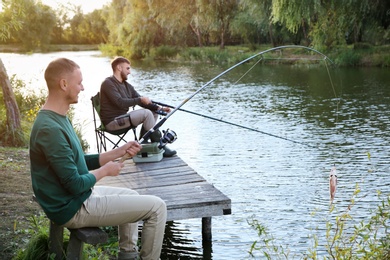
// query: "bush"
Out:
[362,46]
[29,104]
[348,58]
[163,52]
[37,246]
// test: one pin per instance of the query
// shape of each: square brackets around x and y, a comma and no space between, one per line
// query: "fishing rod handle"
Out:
[162,104]
[127,156]
[145,136]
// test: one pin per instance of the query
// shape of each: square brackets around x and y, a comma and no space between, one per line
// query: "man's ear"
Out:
[63,84]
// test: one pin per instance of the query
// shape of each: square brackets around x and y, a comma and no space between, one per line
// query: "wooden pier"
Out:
[186,193]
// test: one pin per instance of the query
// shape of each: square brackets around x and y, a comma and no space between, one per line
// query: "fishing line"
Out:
[249,70]
[234,124]
[334,92]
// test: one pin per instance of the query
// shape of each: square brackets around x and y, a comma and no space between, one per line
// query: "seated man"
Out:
[64,185]
[117,96]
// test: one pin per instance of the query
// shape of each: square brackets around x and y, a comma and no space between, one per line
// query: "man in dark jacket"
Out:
[117,96]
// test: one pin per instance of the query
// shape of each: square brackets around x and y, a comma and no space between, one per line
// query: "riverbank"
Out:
[15,48]
[355,55]
[358,55]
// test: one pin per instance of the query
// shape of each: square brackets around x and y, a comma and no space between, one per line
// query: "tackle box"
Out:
[149,153]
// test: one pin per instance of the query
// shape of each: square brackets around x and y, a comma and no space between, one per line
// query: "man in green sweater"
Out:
[64,178]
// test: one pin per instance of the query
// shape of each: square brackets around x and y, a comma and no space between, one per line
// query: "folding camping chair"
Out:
[101,132]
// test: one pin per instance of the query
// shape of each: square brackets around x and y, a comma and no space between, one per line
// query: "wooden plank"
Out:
[186,193]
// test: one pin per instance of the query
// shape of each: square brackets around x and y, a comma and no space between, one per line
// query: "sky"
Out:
[86,6]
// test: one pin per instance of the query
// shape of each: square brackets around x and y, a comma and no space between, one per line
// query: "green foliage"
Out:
[36,22]
[10,21]
[267,246]
[142,26]
[348,57]
[88,28]
[37,246]
[368,239]
[28,103]
[115,50]
[294,13]
[252,22]
[229,55]
[163,52]
[78,129]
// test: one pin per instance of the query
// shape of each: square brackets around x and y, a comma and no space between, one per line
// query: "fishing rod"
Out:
[162,121]
[234,124]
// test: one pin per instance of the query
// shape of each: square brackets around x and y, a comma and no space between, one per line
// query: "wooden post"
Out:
[206,229]
[75,247]
[56,240]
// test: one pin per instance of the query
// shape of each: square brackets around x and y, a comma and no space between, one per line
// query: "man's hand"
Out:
[131,148]
[145,100]
[112,168]
[109,169]
[166,109]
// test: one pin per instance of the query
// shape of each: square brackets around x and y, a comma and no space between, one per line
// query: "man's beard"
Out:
[123,76]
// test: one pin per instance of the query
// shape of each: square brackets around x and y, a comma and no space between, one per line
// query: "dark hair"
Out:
[118,60]
[57,68]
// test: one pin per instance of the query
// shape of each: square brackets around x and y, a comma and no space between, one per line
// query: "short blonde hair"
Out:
[57,69]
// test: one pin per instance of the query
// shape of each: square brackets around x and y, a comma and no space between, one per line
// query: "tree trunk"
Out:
[222,35]
[13,135]
[271,35]
[198,34]
[222,45]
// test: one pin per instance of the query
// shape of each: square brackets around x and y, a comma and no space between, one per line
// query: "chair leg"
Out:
[97,140]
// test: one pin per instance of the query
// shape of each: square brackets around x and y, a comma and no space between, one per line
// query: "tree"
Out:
[224,11]
[114,20]
[13,125]
[252,23]
[132,24]
[36,27]
[93,29]
[178,28]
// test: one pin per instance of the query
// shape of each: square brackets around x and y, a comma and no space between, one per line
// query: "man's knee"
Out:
[148,114]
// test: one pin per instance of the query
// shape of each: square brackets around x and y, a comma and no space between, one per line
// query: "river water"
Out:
[305,119]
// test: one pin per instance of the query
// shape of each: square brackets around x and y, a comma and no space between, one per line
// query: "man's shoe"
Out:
[168,152]
[131,255]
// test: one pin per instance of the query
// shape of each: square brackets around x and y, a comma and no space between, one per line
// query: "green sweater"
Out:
[59,168]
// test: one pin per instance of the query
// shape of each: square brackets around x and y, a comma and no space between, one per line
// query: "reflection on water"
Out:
[282,184]
[177,245]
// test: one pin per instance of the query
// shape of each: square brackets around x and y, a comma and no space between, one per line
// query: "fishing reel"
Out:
[168,137]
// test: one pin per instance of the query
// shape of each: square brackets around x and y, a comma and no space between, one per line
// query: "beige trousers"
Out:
[134,118]
[111,206]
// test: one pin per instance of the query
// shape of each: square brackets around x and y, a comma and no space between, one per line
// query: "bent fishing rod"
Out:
[162,121]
